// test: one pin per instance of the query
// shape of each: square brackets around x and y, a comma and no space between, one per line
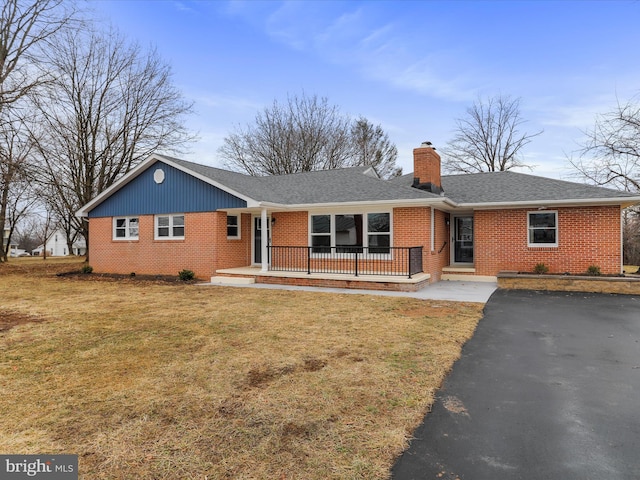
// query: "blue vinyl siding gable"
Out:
[179,192]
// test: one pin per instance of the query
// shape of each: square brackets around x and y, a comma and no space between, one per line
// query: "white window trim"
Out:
[171,217]
[239,236]
[542,245]
[126,237]
[366,233]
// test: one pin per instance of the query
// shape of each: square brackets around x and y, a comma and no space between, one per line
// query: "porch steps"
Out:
[221,280]
[467,274]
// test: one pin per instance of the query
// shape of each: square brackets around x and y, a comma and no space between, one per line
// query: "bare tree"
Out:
[303,135]
[631,236]
[29,232]
[110,106]
[25,26]
[610,154]
[488,139]
[20,203]
[15,169]
[372,147]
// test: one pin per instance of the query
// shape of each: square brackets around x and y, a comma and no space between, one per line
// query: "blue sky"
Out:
[412,66]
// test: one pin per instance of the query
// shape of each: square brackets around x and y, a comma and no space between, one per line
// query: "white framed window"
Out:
[321,233]
[125,228]
[351,232]
[542,228]
[169,227]
[233,227]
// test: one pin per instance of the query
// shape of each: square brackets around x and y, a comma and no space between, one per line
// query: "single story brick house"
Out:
[350,228]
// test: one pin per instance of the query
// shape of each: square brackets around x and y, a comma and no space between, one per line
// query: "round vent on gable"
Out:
[158,176]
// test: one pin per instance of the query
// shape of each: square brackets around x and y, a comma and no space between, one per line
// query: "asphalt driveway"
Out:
[548,388]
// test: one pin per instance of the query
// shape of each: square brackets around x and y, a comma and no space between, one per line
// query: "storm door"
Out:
[463,239]
[257,238]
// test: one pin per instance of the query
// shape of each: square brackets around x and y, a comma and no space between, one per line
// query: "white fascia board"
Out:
[143,166]
[377,203]
[255,206]
[622,201]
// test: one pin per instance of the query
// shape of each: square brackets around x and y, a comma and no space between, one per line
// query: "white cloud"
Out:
[360,38]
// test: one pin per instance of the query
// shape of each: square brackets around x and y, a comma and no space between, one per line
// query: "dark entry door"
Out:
[463,239]
[257,238]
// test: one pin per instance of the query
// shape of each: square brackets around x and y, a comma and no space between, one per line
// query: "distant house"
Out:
[349,227]
[5,237]
[13,248]
[57,246]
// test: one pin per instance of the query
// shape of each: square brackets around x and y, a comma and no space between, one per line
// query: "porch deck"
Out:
[332,280]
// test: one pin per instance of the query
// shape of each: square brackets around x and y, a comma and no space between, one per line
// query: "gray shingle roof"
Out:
[356,185]
[512,187]
[326,186]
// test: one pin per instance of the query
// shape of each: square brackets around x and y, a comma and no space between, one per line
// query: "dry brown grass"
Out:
[147,380]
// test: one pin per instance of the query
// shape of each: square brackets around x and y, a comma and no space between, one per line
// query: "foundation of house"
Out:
[247,275]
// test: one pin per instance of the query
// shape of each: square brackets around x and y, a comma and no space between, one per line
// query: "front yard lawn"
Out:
[148,380]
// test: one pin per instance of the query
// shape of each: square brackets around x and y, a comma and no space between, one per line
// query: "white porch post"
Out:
[264,239]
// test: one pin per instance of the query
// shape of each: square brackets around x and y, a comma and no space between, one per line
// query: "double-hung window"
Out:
[379,232]
[233,226]
[125,228]
[351,233]
[543,228]
[169,227]
[321,233]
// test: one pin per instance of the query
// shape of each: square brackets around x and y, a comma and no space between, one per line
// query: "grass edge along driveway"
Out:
[150,380]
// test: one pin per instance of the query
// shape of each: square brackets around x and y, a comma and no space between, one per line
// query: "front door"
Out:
[257,238]
[463,239]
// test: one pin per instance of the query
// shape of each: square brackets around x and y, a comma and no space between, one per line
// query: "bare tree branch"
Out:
[303,135]
[610,154]
[110,106]
[25,28]
[488,139]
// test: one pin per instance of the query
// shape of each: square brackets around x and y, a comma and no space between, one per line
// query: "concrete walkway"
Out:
[457,291]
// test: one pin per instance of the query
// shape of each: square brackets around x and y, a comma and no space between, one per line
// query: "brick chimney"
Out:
[426,168]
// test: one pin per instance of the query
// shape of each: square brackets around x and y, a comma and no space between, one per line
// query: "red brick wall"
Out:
[204,249]
[586,236]
[426,166]
[412,228]
[291,229]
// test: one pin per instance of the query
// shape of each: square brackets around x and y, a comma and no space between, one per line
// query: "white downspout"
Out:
[433,230]
[264,239]
[621,241]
